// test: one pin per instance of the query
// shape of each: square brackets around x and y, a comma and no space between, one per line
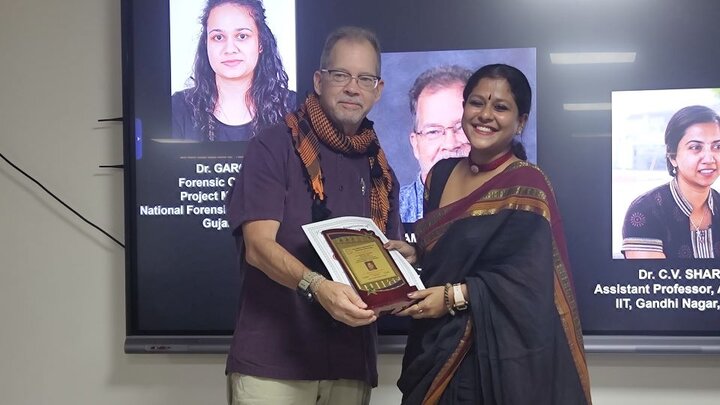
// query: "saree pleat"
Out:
[505,241]
[443,378]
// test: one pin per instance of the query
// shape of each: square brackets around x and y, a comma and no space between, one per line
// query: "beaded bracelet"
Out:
[446,294]
[315,281]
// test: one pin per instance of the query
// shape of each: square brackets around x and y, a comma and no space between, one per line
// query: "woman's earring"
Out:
[674,171]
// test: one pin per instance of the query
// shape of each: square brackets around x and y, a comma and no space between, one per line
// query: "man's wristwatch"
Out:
[304,285]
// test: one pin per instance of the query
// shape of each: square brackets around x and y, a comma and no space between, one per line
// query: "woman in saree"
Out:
[498,323]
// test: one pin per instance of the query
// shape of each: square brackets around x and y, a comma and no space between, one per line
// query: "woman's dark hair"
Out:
[679,123]
[519,87]
[268,98]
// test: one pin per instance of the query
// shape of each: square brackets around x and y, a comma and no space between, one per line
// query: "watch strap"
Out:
[306,284]
[459,298]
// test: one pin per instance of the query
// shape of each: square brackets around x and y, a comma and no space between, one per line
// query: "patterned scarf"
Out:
[309,125]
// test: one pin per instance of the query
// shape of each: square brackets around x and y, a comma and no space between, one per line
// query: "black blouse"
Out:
[659,221]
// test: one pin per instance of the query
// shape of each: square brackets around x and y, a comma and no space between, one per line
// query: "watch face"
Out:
[304,290]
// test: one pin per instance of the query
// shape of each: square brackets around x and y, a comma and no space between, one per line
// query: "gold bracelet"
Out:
[447,299]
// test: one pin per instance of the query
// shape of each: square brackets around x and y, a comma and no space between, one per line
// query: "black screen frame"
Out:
[402,27]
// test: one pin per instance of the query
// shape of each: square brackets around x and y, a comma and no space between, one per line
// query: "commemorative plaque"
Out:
[352,249]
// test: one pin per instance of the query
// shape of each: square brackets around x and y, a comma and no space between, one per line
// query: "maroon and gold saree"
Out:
[520,341]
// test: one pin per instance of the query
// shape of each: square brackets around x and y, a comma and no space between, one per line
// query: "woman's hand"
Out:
[430,304]
[407,250]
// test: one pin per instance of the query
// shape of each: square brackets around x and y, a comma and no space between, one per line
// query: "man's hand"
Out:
[343,303]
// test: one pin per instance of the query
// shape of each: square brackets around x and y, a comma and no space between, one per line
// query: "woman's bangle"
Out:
[446,294]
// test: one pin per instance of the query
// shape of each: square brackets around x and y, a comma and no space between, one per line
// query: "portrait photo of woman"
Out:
[677,219]
[497,322]
[238,82]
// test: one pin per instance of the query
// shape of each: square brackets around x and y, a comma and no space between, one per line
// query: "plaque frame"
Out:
[381,294]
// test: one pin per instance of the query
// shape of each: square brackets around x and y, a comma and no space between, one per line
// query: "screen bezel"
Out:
[311,30]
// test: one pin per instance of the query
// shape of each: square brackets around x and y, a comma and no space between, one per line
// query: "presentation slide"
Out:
[621,123]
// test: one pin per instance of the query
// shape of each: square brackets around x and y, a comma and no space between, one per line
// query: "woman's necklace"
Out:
[702,219]
[476,168]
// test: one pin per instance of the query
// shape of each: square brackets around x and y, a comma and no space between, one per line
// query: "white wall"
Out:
[61,282]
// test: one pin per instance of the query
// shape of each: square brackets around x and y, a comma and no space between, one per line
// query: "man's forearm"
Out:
[276,262]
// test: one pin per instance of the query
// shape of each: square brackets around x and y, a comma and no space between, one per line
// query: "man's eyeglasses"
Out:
[435,132]
[365,82]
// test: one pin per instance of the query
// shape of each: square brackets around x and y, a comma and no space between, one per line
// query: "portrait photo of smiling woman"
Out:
[680,219]
[238,84]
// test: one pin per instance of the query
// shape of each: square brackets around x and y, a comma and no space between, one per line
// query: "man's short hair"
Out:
[349,33]
[436,78]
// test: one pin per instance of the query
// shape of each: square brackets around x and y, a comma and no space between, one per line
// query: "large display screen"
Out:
[607,79]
